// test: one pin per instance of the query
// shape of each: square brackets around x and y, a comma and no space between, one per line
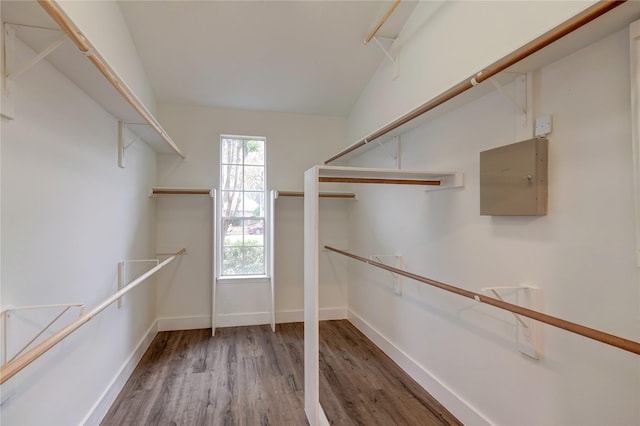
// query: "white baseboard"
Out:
[184,323]
[257,318]
[325,314]
[242,319]
[465,412]
[102,406]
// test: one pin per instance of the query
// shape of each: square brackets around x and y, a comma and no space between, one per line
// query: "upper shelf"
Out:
[89,71]
[598,21]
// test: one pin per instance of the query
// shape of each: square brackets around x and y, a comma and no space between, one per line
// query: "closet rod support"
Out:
[591,333]
[521,109]
[14,367]
[5,316]
[10,32]
[495,293]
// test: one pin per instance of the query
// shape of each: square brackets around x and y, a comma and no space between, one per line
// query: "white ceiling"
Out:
[288,56]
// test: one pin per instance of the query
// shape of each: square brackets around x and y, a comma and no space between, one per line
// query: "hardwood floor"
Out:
[251,376]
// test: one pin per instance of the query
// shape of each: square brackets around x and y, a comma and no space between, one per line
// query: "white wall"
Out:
[581,255]
[445,42]
[69,214]
[295,143]
[104,26]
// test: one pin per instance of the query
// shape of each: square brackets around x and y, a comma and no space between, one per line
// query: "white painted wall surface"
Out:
[445,42]
[581,255]
[104,26]
[69,214]
[295,142]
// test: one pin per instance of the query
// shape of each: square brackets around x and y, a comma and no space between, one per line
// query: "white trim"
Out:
[634,56]
[325,314]
[272,269]
[103,404]
[311,299]
[184,323]
[242,319]
[246,279]
[460,408]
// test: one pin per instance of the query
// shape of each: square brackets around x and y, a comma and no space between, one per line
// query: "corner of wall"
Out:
[460,408]
[108,397]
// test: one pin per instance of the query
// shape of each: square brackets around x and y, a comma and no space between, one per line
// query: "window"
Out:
[243,195]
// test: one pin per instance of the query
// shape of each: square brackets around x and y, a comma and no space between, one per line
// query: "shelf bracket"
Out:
[8,53]
[522,103]
[6,314]
[393,154]
[398,263]
[122,129]
[393,59]
[527,330]
[516,105]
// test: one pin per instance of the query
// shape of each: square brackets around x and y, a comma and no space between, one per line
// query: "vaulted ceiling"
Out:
[288,56]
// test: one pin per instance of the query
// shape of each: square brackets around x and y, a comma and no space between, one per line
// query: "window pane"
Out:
[254,233]
[232,178]
[254,178]
[232,152]
[232,203]
[253,260]
[232,260]
[254,152]
[254,204]
[233,232]
[243,261]
[243,203]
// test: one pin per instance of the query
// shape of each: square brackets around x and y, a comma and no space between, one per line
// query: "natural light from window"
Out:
[243,195]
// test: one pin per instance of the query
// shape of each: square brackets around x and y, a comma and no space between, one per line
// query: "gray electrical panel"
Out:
[513,179]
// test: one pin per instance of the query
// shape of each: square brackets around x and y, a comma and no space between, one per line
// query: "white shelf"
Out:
[79,69]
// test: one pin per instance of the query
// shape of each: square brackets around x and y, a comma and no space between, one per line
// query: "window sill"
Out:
[244,279]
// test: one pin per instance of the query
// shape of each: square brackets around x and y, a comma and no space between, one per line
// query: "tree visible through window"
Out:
[242,170]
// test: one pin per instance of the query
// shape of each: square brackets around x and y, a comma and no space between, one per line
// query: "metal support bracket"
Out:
[393,59]
[522,102]
[6,314]
[9,74]
[121,274]
[395,154]
[122,130]
[527,330]
[398,263]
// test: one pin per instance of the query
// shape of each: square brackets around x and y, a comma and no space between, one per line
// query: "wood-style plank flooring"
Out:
[251,376]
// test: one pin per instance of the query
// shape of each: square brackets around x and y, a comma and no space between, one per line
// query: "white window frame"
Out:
[219,222]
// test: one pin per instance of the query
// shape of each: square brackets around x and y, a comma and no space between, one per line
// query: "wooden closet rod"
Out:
[321,194]
[10,369]
[373,33]
[85,47]
[600,336]
[162,191]
[528,49]
[328,179]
